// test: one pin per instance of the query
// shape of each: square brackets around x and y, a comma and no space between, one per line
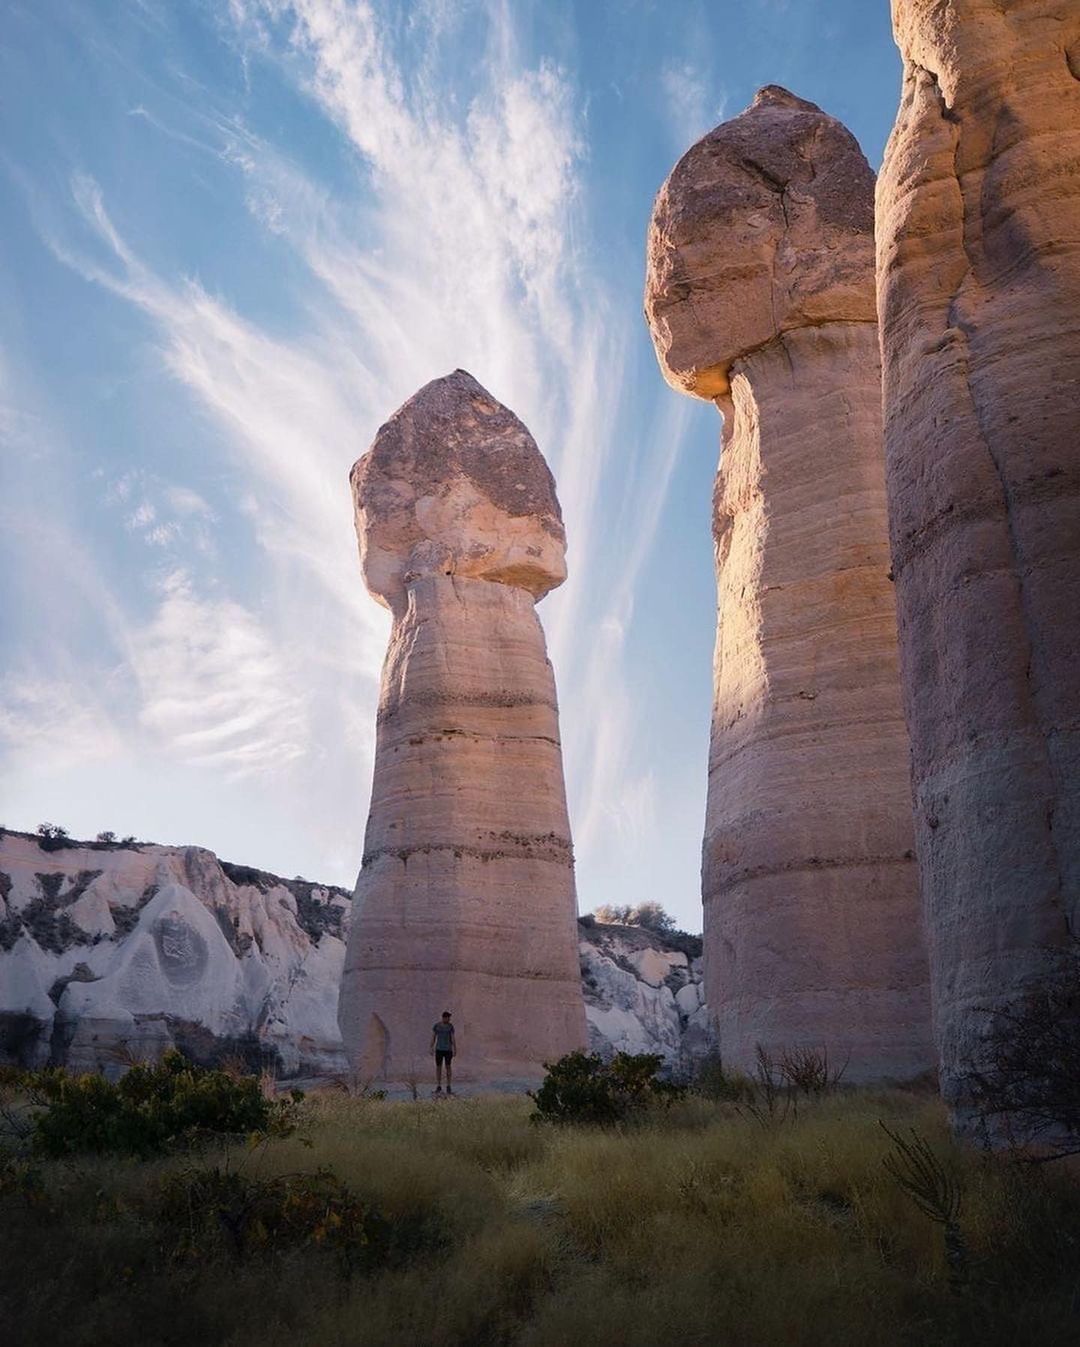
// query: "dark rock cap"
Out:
[766,224]
[454,483]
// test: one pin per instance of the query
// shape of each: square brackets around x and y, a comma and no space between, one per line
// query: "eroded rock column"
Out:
[978,225]
[465,900]
[760,296]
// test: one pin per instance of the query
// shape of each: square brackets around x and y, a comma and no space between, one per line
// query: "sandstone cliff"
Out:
[978,225]
[466,898]
[108,951]
[760,295]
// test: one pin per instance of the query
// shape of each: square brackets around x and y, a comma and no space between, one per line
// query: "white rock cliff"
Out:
[110,951]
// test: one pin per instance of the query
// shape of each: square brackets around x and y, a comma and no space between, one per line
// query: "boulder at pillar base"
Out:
[978,235]
[760,296]
[465,900]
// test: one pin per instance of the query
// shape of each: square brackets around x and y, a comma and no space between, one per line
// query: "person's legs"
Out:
[438,1071]
[449,1060]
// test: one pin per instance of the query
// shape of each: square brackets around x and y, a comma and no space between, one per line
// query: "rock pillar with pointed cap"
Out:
[760,297]
[465,900]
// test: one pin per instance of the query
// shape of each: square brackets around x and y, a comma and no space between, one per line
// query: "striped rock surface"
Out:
[760,296]
[465,900]
[978,234]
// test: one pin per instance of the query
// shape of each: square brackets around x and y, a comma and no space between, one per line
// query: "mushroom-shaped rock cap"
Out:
[454,484]
[766,224]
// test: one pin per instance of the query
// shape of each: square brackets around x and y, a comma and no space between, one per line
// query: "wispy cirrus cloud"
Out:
[215,687]
[461,236]
[691,103]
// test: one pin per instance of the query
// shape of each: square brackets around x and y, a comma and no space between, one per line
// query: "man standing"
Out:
[442,1045]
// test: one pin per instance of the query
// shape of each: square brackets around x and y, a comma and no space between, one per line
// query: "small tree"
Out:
[108,837]
[1027,1087]
[652,916]
[649,914]
[937,1192]
[51,837]
[609,915]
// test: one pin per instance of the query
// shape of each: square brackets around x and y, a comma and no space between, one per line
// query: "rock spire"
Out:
[465,899]
[978,229]
[760,296]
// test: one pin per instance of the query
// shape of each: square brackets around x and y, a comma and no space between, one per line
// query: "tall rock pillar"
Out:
[465,900]
[978,228]
[760,296]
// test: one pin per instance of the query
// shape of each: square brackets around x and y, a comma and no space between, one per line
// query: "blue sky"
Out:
[237,235]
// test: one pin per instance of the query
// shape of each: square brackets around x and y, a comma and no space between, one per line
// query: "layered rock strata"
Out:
[978,228]
[760,296]
[465,899]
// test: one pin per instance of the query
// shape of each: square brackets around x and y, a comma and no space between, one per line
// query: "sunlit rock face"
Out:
[465,900]
[113,953]
[978,227]
[760,295]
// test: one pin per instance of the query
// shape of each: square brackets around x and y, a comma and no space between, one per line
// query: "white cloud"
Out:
[457,243]
[49,724]
[613,797]
[215,687]
[690,105]
[188,503]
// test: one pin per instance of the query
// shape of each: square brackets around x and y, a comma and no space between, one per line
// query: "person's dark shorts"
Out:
[442,1056]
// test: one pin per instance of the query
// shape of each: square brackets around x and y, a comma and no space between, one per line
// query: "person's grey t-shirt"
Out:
[444,1037]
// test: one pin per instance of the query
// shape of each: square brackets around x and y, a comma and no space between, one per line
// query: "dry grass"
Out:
[697,1226]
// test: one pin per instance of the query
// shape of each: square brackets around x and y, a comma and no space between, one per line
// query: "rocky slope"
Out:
[108,951]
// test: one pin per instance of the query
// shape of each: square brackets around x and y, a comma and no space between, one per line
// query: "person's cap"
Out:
[446,1014]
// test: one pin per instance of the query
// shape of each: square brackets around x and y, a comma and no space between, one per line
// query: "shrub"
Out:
[108,837]
[938,1194]
[1028,1087]
[204,1212]
[652,916]
[649,915]
[51,837]
[150,1110]
[582,1088]
[607,914]
[808,1070]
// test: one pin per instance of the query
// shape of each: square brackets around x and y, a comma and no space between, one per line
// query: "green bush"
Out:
[582,1088]
[51,837]
[148,1111]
